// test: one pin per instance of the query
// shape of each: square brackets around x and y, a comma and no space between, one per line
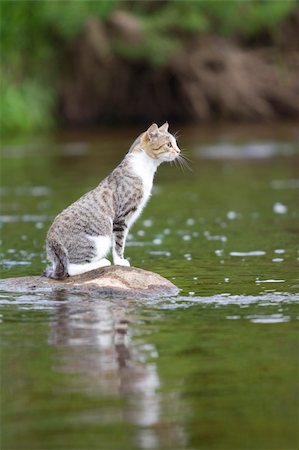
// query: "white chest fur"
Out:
[145,167]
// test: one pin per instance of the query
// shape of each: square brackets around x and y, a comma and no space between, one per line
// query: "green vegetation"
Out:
[35,35]
[33,38]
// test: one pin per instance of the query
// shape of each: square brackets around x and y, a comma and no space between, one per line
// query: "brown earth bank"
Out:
[105,282]
[211,78]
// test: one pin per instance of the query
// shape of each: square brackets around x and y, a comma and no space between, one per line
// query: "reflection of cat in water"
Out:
[82,235]
[94,343]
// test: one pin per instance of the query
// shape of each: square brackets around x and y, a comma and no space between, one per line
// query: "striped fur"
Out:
[82,234]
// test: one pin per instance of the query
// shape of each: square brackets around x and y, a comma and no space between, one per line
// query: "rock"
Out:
[107,281]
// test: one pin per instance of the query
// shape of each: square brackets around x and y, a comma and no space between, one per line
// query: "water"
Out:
[215,367]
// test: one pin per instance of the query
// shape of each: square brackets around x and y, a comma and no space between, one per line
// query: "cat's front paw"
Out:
[122,262]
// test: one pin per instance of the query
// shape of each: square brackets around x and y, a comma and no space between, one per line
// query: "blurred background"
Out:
[89,63]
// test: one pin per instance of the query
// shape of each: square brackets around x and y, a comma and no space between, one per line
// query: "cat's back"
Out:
[85,212]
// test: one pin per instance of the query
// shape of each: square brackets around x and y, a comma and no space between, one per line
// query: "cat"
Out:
[82,235]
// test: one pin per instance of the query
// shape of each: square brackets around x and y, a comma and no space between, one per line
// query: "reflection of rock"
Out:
[108,281]
[95,343]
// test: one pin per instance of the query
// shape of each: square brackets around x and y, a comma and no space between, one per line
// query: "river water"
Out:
[213,368]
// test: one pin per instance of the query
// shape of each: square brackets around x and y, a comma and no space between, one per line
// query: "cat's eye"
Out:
[169,144]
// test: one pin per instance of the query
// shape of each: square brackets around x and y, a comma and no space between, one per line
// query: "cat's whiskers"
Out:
[176,162]
[177,135]
[183,162]
[184,153]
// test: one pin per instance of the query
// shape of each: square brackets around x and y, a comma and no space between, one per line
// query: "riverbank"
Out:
[94,63]
[211,79]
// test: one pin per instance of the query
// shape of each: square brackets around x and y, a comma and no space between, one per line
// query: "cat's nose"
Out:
[178,151]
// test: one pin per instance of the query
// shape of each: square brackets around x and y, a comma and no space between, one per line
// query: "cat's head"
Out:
[159,144]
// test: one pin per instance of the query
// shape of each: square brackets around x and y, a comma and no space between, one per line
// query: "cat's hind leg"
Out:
[81,264]
[78,269]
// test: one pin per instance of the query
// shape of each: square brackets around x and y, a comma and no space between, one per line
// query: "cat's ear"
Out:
[164,127]
[152,132]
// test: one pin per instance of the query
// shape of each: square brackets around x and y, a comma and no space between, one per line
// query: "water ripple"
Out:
[49,300]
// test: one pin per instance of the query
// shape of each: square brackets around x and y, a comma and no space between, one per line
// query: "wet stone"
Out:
[107,281]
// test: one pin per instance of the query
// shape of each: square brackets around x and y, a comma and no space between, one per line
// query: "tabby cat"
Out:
[82,234]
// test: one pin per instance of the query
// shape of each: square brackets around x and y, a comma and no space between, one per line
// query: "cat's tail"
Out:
[58,256]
